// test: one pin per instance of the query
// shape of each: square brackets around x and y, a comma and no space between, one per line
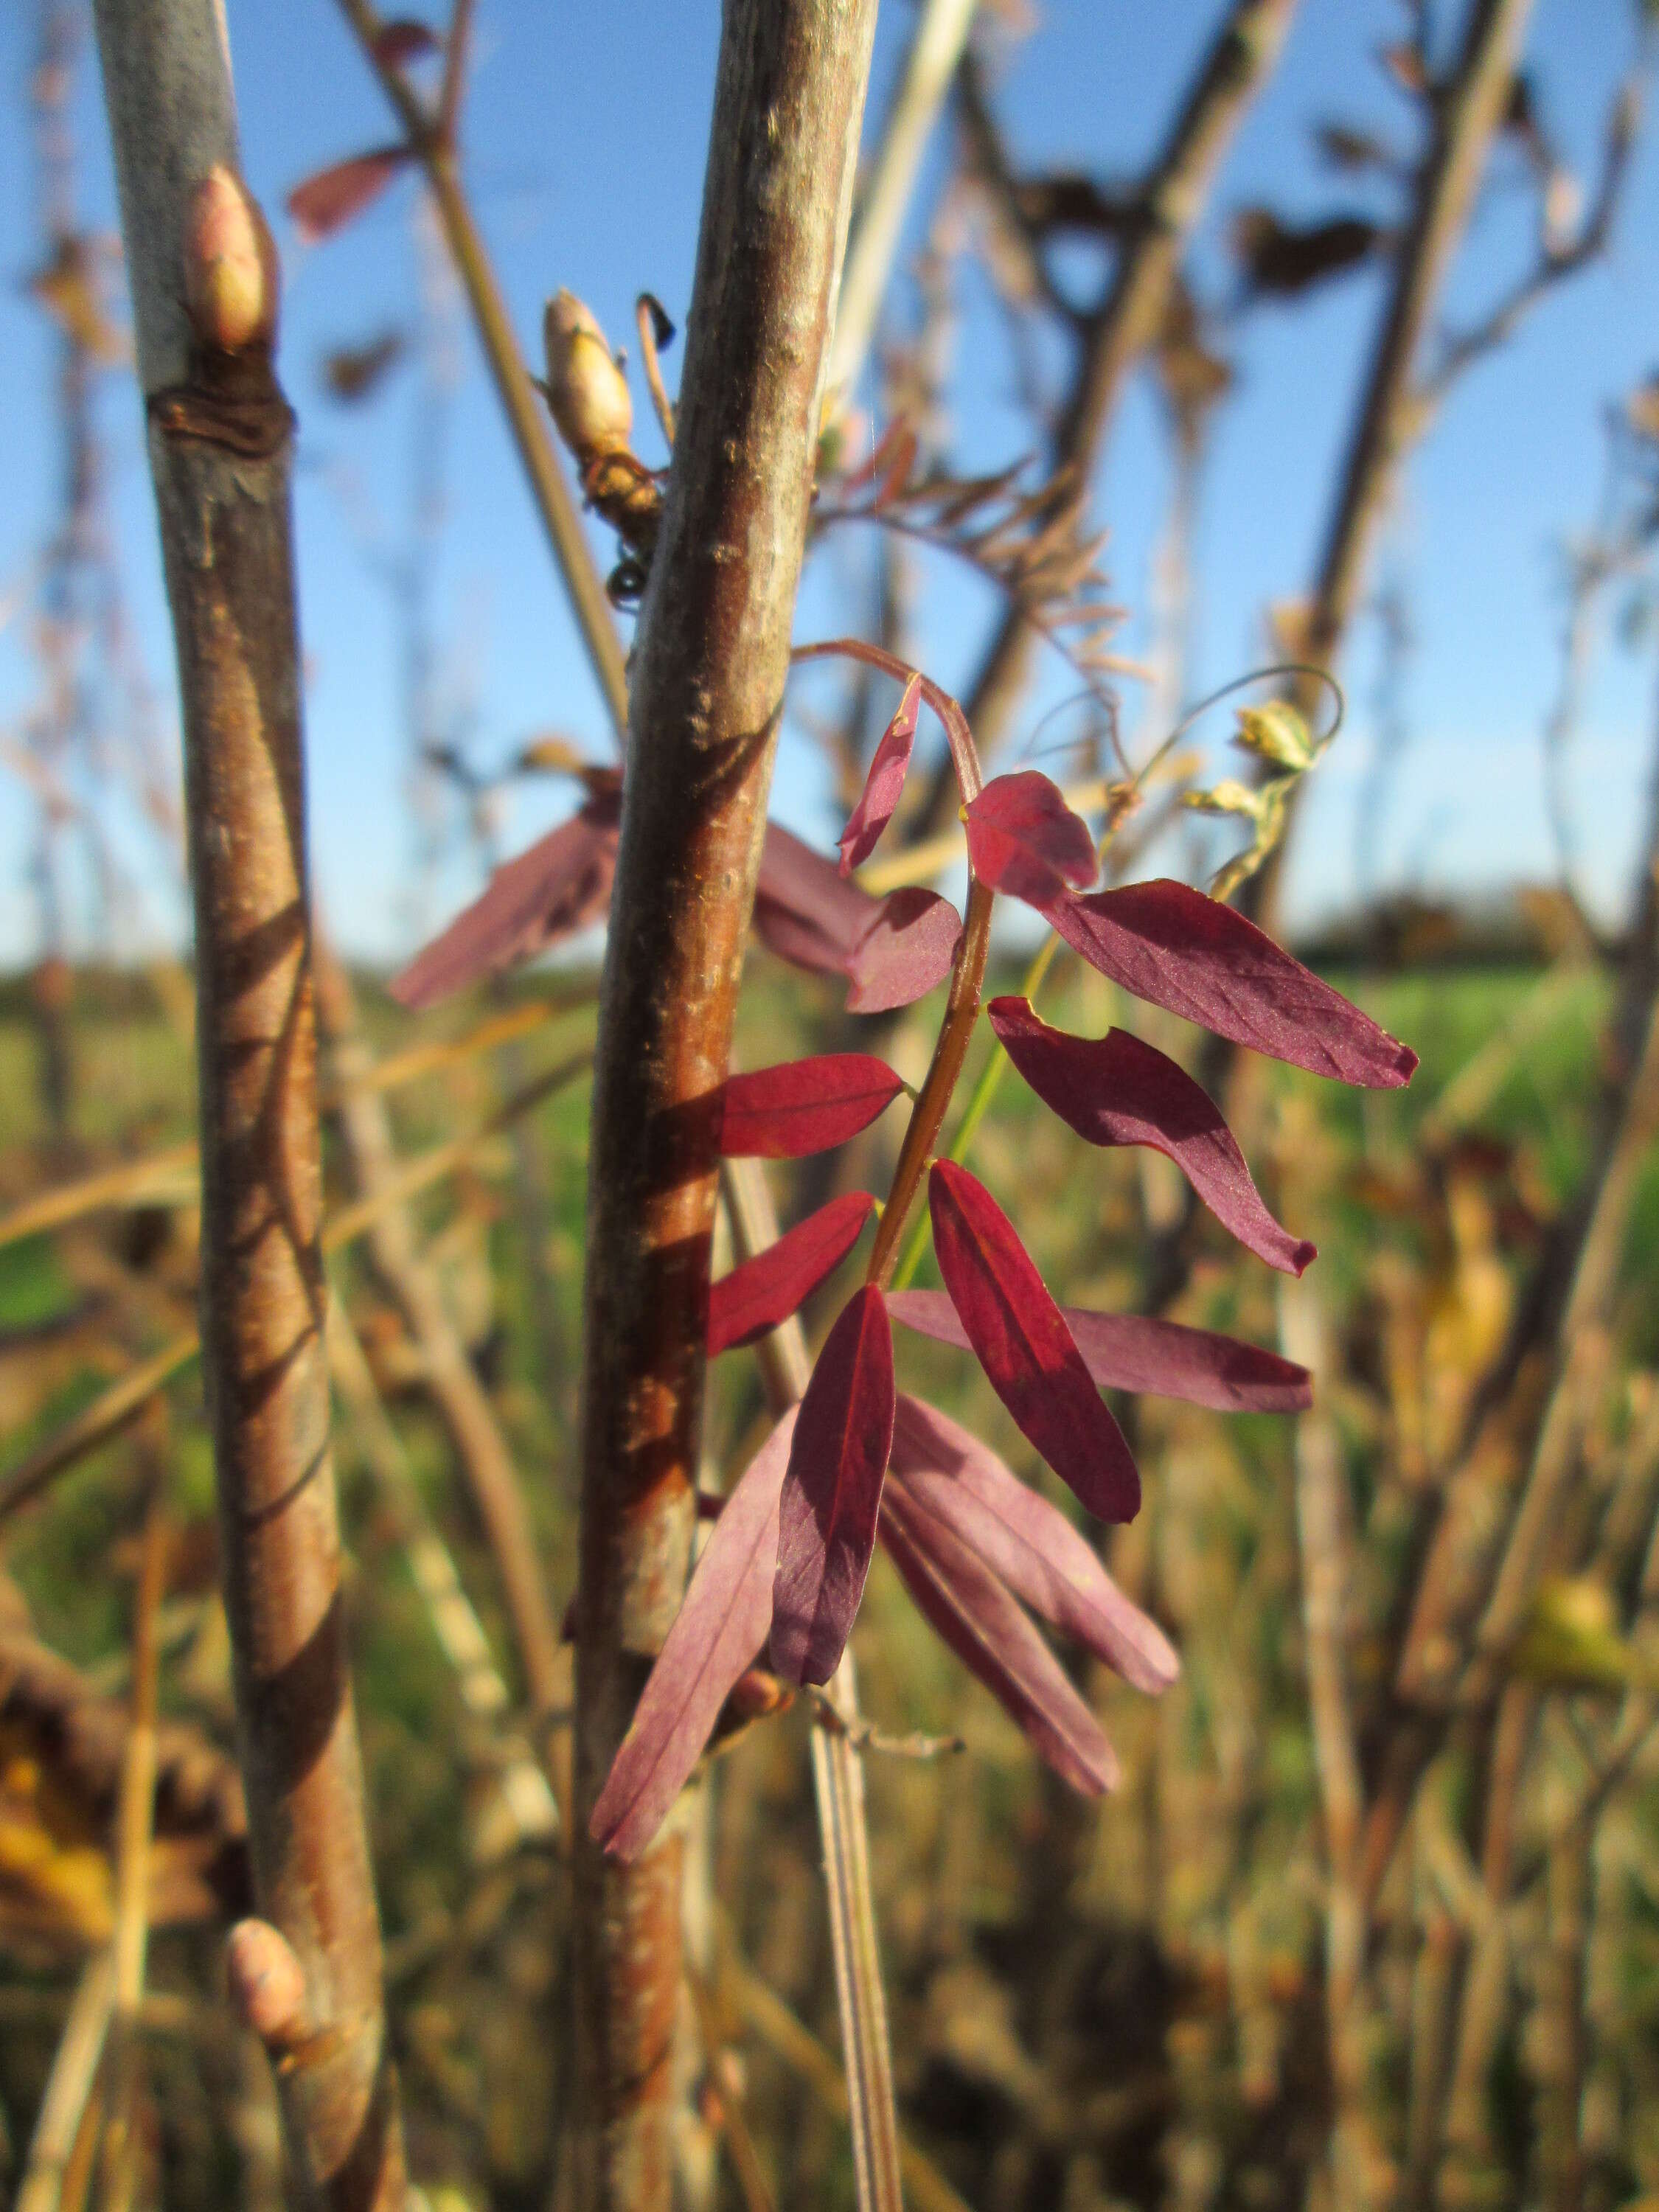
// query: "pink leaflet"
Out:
[557,889]
[804,911]
[766,1290]
[885,781]
[1117,1090]
[1024,839]
[326,201]
[1025,1346]
[803,1106]
[1170,945]
[832,1492]
[717,1631]
[1028,1542]
[1161,1359]
[906,950]
[976,1616]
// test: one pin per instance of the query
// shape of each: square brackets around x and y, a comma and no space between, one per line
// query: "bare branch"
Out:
[710,666]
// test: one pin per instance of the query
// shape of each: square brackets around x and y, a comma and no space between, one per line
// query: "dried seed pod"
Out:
[585,388]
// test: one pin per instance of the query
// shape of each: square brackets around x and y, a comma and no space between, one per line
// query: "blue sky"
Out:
[586,143]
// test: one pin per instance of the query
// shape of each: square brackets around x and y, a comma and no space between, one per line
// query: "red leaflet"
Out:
[768,1288]
[1027,1541]
[1116,1089]
[906,951]
[1025,1346]
[327,201]
[832,1492]
[1123,1352]
[803,1105]
[718,1630]
[1172,946]
[885,781]
[555,888]
[975,1615]
[804,911]
[404,39]
[1024,839]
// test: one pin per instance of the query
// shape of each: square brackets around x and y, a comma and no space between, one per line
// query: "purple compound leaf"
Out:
[1118,1090]
[832,1492]
[719,1627]
[1022,1343]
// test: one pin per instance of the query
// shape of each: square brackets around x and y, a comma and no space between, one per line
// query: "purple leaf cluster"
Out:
[986,1558]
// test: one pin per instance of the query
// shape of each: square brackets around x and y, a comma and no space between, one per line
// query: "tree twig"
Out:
[220,449]
[430,138]
[941,32]
[710,666]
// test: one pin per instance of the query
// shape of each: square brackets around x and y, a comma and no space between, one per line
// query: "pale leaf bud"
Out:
[231,278]
[585,388]
[266,1983]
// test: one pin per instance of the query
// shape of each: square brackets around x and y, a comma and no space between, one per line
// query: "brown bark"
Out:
[220,446]
[708,682]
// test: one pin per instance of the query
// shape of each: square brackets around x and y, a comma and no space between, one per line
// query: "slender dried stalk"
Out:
[73,2071]
[447,1374]
[111,1411]
[1325,1545]
[1392,416]
[770,2019]
[837,1785]
[220,452]
[525,1789]
[431,137]
[941,32]
[134,1820]
[710,667]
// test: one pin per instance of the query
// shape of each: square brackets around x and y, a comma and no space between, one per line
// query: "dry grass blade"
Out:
[69,2087]
[167,1177]
[733,2122]
[111,1411]
[135,1182]
[838,1786]
[768,2017]
[105,1417]
[135,1817]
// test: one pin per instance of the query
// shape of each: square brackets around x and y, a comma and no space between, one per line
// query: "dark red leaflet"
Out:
[804,911]
[1118,1090]
[717,1631]
[775,1283]
[1022,1343]
[1024,839]
[907,948]
[326,201]
[976,1616]
[1160,1358]
[1170,945]
[404,39]
[1028,1542]
[832,1492]
[803,1106]
[885,782]
[557,889]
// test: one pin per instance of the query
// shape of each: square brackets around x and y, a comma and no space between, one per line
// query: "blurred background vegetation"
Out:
[1373,1918]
